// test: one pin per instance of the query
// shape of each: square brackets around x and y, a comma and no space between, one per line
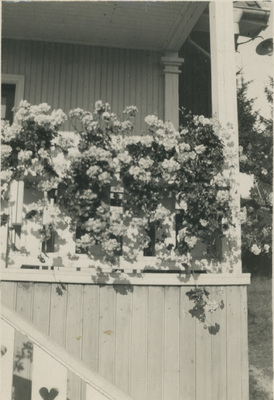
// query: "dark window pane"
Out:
[150,250]
[7,101]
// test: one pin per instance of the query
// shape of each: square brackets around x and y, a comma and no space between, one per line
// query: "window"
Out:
[12,92]
[7,101]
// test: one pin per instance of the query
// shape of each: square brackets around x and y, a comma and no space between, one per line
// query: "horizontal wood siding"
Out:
[142,338]
[68,76]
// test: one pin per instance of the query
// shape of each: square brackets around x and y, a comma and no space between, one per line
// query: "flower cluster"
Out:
[28,143]
[167,175]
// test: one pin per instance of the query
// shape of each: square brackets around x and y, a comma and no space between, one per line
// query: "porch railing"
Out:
[50,365]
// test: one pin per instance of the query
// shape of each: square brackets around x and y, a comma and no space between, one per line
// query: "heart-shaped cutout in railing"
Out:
[48,395]
[3,350]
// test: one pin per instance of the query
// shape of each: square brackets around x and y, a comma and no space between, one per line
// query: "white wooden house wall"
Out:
[67,76]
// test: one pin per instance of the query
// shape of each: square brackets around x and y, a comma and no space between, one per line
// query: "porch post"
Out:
[224,94]
[171,63]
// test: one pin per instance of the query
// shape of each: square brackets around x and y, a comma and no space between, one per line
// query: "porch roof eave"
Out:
[157,26]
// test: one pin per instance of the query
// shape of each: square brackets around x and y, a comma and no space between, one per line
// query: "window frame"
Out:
[19,82]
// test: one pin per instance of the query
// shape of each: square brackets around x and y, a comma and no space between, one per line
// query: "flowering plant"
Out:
[256,160]
[166,175]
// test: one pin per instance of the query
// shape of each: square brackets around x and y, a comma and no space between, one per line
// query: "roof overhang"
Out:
[155,25]
[160,26]
[252,17]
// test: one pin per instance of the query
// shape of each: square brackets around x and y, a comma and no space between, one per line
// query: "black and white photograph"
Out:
[136,200]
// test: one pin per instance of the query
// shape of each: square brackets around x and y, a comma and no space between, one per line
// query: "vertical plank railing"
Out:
[49,377]
[16,202]
[51,364]
[16,212]
[7,349]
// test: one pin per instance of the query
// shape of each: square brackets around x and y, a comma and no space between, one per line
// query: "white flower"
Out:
[132,111]
[222,196]
[161,133]
[169,143]
[266,248]
[87,119]
[184,147]
[207,121]
[24,155]
[98,105]
[24,104]
[151,120]
[5,150]
[202,264]
[42,153]
[42,119]
[99,154]
[57,118]
[161,213]
[211,306]
[181,204]
[5,174]
[76,113]
[220,180]
[94,225]
[116,124]
[146,140]
[104,177]
[126,126]
[203,222]
[170,165]
[264,171]
[204,121]
[181,234]
[167,125]
[124,157]
[190,241]
[134,170]
[192,155]
[145,162]
[200,149]
[255,250]
[243,158]
[183,157]
[106,115]
[43,107]
[139,173]
[93,171]
[110,246]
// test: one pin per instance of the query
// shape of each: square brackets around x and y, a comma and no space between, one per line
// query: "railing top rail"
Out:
[136,278]
[95,380]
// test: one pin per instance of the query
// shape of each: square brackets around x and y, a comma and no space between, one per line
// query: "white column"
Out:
[224,93]
[172,63]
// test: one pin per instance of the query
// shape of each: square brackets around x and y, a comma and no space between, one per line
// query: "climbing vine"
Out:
[164,174]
